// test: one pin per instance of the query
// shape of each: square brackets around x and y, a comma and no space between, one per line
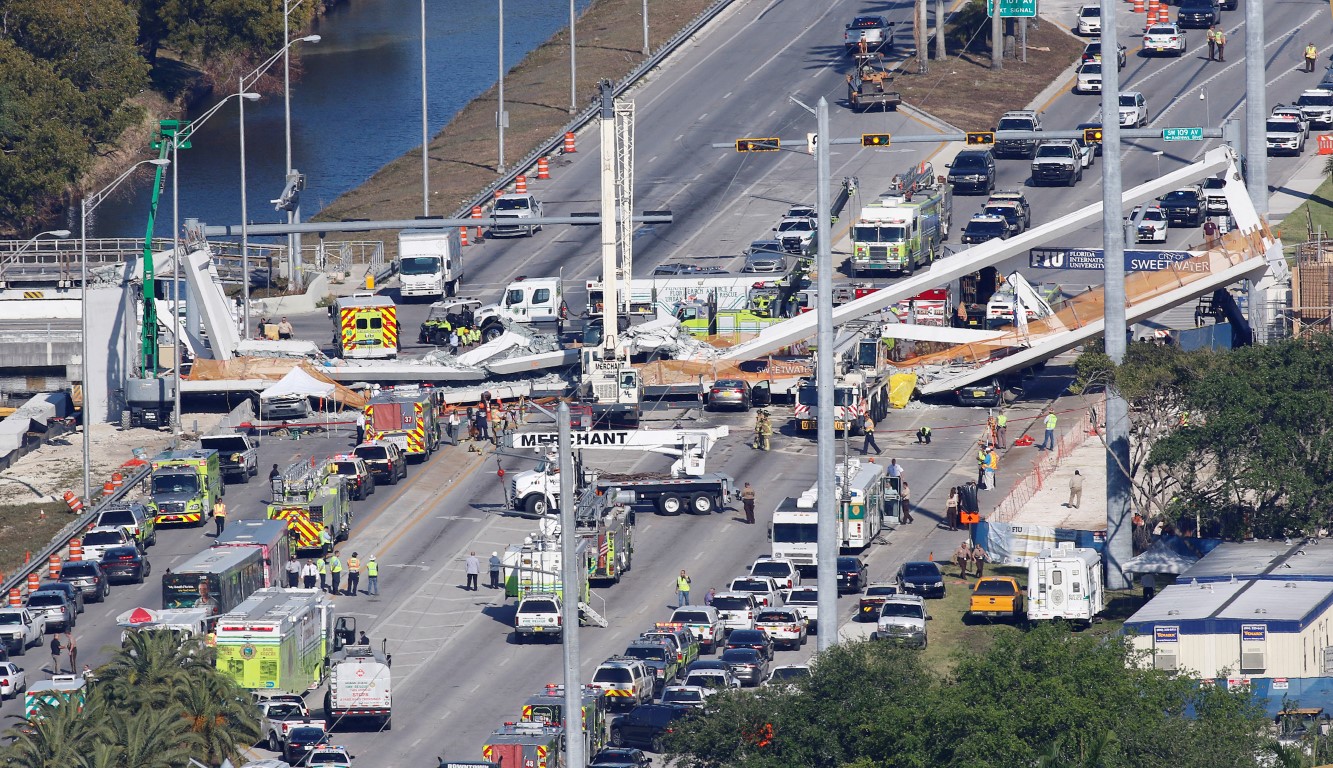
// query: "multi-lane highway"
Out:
[457,674]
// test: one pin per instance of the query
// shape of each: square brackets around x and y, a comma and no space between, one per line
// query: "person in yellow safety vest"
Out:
[1220,38]
[1211,37]
[981,469]
[763,431]
[220,515]
[1048,439]
[322,563]
[336,570]
[325,540]
[1311,53]
[353,574]
[372,577]
[1001,433]
[992,464]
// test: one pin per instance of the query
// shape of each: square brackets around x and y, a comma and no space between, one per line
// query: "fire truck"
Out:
[408,417]
[548,707]
[861,389]
[904,229]
[316,505]
[608,527]
[526,745]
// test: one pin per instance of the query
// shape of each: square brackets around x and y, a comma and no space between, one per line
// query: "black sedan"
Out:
[126,564]
[921,577]
[88,577]
[852,574]
[748,665]
[756,639]
[301,741]
[646,725]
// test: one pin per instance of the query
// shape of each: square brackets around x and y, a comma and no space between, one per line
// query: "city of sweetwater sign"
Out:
[1094,258]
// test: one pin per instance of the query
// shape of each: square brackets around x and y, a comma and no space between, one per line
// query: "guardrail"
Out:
[60,542]
[586,116]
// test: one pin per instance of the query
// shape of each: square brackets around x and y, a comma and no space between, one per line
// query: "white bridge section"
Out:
[1209,271]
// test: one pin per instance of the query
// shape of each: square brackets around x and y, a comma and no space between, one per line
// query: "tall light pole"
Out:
[86,206]
[293,213]
[645,27]
[500,117]
[251,79]
[1256,149]
[826,544]
[425,123]
[573,75]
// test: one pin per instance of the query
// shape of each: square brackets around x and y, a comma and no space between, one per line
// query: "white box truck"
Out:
[360,686]
[1065,582]
[430,263]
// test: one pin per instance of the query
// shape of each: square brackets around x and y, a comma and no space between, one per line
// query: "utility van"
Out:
[430,263]
[1065,582]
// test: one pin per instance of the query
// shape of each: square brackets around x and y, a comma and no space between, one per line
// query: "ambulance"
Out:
[365,326]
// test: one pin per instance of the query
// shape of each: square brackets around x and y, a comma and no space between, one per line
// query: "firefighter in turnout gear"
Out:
[763,431]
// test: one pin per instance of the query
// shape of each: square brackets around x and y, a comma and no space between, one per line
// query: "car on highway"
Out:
[1090,19]
[972,172]
[621,757]
[867,608]
[737,609]
[1016,196]
[75,594]
[13,680]
[984,227]
[132,515]
[646,725]
[56,606]
[626,682]
[765,257]
[1152,227]
[659,658]
[902,619]
[797,234]
[921,577]
[704,623]
[986,393]
[1088,79]
[1133,110]
[329,756]
[748,665]
[1165,38]
[97,541]
[686,696]
[1284,135]
[301,741]
[853,575]
[1017,120]
[126,564]
[678,638]
[359,480]
[780,569]
[785,626]
[805,601]
[1087,153]
[1093,52]
[1317,106]
[996,597]
[757,639]
[1184,207]
[386,460]
[712,680]
[1198,14]
[512,209]
[729,393]
[788,675]
[88,576]
[1007,210]
[767,593]
[1058,161]
[1215,202]
[875,31]
[1293,112]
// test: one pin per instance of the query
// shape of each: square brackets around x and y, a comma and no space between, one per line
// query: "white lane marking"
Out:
[701,117]
[794,39]
[724,98]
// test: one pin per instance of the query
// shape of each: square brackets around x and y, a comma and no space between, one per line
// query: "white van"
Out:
[1065,582]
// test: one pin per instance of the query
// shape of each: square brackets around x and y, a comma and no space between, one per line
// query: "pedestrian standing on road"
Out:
[55,654]
[483,429]
[293,571]
[747,501]
[870,438]
[979,560]
[895,469]
[962,557]
[473,568]
[1048,439]
[682,589]
[495,570]
[1075,490]
[951,509]
[309,575]
[1311,53]
[1210,242]
[992,464]
[219,516]
[336,571]
[981,468]
[372,577]
[322,565]
[353,573]
[1149,582]
[284,329]
[453,427]
[1220,38]
[1211,35]
[1001,429]
[73,648]
[453,343]
[906,494]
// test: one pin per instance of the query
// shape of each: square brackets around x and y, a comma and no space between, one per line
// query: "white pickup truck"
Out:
[538,615]
[21,629]
[239,454]
[282,715]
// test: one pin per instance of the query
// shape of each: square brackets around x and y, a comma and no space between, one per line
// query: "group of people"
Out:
[1217,43]
[283,329]
[472,569]
[968,557]
[763,431]
[326,573]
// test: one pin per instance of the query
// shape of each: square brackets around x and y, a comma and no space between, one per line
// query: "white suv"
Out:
[515,208]
[1133,110]
[98,540]
[779,569]
[1316,105]
[626,682]
[737,609]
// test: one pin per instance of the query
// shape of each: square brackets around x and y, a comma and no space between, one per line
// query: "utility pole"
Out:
[501,119]
[425,121]
[569,606]
[573,77]
[1256,148]
[826,547]
[1119,527]
[997,39]
[645,27]
[941,49]
[922,39]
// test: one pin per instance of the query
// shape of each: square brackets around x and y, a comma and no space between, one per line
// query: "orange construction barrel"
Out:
[15,597]
[34,581]
[53,567]
[76,549]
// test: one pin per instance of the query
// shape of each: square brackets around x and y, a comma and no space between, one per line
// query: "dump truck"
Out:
[184,486]
[277,640]
[869,83]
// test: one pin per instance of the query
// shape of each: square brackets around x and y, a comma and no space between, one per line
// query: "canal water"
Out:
[356,106]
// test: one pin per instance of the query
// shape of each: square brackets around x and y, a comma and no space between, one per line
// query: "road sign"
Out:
[1094,258]
[1182,134]
[1013,8]
[811,142]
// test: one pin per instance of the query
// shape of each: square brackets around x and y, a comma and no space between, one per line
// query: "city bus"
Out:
[270,536]
[218,578]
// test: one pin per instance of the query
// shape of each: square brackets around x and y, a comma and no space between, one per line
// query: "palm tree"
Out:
[153,738]
[57,735]
[148,667]
[220,714]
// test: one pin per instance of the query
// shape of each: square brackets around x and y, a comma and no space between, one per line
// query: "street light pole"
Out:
[425,123]
[245,233]
[826,545]
[175,275]
[500,115]
[86,206]
[573,77]
[645,27]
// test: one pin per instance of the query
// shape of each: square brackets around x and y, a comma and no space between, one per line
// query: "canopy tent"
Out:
[288,377]
[298,382]
[1166,555]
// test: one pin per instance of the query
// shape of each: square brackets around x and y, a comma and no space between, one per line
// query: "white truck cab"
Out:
[430,263]
[514,208]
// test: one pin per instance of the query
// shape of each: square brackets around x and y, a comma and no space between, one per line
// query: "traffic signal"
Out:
[981,137]
[758,145]
[875,139]
[1092,135]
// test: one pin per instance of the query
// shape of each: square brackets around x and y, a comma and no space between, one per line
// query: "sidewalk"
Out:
[1296,190]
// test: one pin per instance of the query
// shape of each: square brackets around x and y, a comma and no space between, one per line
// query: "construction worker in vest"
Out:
[220,515]
[992,464]
[336,571]
[1220,38]
[1001,431]
[322,564]
[1311,53]
[353,573]
[923,436]
[981,469]
[325,541]
[1048,439]
[372,577]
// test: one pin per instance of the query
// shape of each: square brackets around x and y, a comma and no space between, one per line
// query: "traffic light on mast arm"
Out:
[980,137]
[875,139]
[758,145]
[1092,135]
